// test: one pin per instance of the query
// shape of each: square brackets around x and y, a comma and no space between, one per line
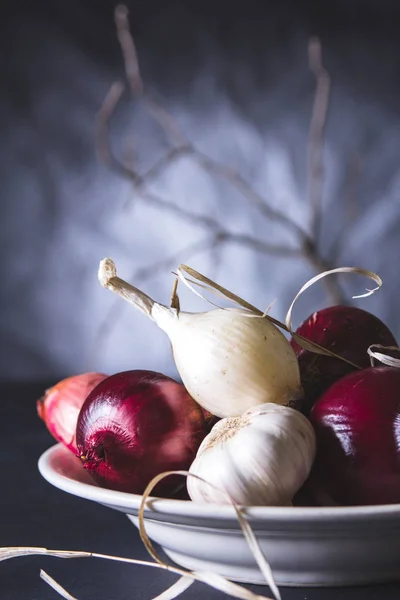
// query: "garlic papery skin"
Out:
[260,458]
[228,359]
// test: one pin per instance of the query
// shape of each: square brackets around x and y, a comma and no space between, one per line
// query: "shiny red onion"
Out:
[357,424]
[135,425]
[59,407]
[345,330]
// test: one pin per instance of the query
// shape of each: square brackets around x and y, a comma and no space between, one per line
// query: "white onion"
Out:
[229,359]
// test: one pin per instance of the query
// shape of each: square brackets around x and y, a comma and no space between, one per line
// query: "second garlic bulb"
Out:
[261,458]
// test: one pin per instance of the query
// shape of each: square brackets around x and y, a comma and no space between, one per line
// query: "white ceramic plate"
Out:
[304,546]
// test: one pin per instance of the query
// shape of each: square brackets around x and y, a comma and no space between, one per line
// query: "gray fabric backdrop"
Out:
[238,82]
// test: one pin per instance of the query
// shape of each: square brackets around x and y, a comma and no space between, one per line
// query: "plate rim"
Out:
[163,506]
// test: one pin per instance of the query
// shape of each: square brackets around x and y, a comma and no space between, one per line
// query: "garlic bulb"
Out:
[260,458]
[229,359]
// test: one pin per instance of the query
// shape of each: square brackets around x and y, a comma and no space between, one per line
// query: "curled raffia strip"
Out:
[187,577]
[190,277]
[212,579]
[357,270]
[383,357]
[177,588]
[226,585]
[57,587]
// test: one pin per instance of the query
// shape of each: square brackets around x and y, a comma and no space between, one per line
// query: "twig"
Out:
[155,170]
[230,175]
[196,219]
[315,169]
[128,48]
[133,75]
[142,181]
[316,135]
[249,241]
[239,182]
[220,234]
[332,287]
[103,117]
[174,131]
[307,243]
[353,175]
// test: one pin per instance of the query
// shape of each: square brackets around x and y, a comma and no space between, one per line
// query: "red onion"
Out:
[59,407]
[345,330]
[135,425]
[210,419]
[357,424]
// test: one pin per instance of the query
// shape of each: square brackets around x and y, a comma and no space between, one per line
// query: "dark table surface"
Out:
[33,513]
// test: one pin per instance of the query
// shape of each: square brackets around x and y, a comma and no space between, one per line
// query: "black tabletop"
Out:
[34,513]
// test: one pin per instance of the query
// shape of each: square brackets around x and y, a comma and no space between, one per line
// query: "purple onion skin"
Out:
[346,330]
[357,425]
[135,425]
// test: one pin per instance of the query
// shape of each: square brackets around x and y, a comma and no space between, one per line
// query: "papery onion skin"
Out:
[345,330]
[135,425]
[231,361]
[60,405]
[357,426]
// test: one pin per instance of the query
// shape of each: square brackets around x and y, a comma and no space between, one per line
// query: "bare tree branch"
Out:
[238,181]
[216,254]
[353,175]
[103,147]
[133,75]
[332,287]
[307,244]
[253,243]
[220,233]
[316,135]
[169,157]
[230,175]
[128,48]
[174,131]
